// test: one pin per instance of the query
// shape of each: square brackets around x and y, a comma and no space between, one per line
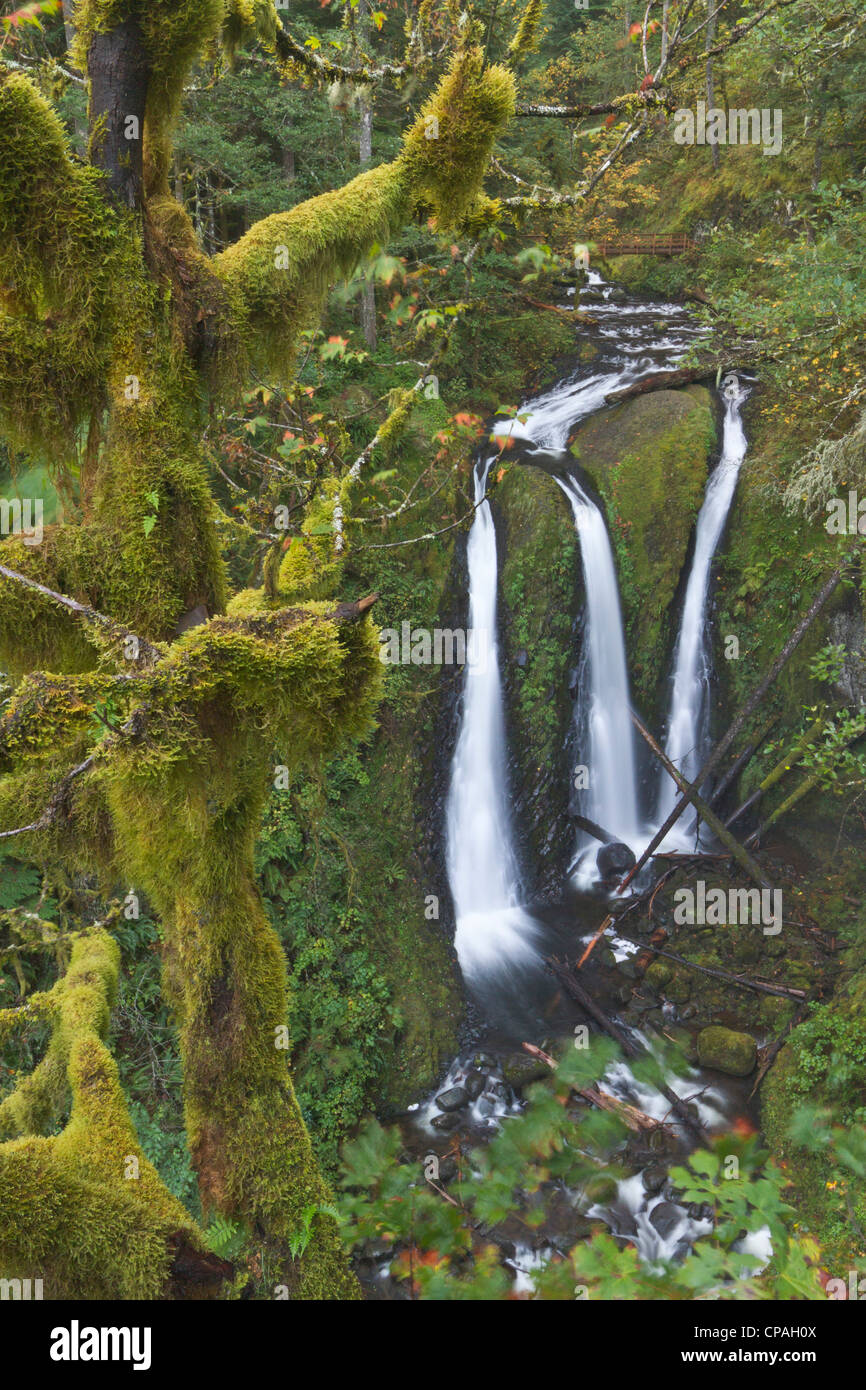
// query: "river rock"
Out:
[453,1099]
[665,1217]
[724,1050]
[444,1123]
[523,1070]
[474,1084]
[615,859]
[654,1179]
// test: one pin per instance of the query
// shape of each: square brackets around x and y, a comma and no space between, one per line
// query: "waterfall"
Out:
[687,739]
[492,928]
[603,703]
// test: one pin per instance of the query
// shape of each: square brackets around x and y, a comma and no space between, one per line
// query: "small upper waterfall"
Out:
[688,723]
[492,928]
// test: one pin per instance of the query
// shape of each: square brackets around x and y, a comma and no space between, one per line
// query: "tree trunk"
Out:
[119,72]
[365,154]
[711,98]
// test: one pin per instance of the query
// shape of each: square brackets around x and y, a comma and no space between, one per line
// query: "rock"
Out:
[678,989]
[522,657]
[615,859]
[523,1070]
[574,682]
[453,1099]
[665,1217]
[483,1061]
[444,1123]
[447,1168]
[727,1051]
[600,1189]
[474,1084]
[193,618]
[629,970]
[654,1179]
[657,975]
[620,1220]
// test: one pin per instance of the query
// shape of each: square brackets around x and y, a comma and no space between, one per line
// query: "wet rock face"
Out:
[540,593]
[727,1051]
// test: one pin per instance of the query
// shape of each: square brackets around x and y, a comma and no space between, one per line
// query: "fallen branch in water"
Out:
[632,1118]
[608,921]
[589,1005]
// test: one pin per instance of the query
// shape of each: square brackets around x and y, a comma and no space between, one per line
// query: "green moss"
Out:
[84,1210]
[282,268]
[541,591]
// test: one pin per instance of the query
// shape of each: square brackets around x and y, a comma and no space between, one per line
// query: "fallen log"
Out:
[597,832]
[784,991]
[742,718]
[632,1118]
[739,853]
[791,758]
[589,1005]
[738,765]
[661,381]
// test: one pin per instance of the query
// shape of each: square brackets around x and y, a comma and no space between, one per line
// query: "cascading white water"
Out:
[688,723]
[605,733]
[613,800]
[492,928]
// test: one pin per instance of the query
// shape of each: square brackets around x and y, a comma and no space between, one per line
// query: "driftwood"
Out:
[597,832]
[631,1117]
[742,718]
[589,1005]
[741,855]
[784,991]
[661,381]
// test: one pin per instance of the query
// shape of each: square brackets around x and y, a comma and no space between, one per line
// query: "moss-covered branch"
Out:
[84,1210]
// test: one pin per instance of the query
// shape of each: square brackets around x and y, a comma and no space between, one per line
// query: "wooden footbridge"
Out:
[645,244]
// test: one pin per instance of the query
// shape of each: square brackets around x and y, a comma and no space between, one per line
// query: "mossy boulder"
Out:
[725,1050]
[649,458]
[657,976]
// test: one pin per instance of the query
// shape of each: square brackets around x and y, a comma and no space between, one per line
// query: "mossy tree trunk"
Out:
[114,326]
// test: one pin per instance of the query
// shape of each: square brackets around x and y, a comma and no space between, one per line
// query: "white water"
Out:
[604,690]
[606,740]
[688,723]
[492,927]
